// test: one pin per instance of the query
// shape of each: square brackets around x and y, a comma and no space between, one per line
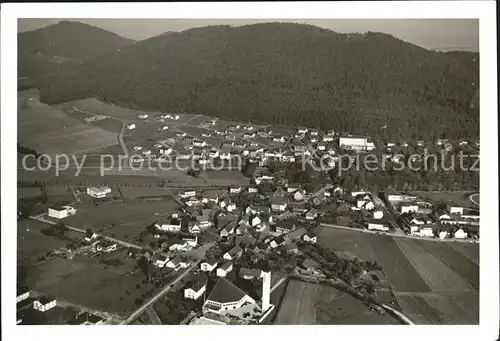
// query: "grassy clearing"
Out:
[452,198]
[468,250]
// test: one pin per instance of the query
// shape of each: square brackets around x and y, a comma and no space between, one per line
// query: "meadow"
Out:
[431,280]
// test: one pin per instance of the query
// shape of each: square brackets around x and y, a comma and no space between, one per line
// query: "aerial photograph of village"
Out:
[194,172]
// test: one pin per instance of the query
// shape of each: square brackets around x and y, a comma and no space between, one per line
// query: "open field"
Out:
[352,243]
[121,220]
[308,303]
[396,265]
[452,198]
[430,308]
[50,131]
[32,242]
[299,304]
[435,273]
[466,268]
[434,282]
[87,282]
[470,251]
[336,307]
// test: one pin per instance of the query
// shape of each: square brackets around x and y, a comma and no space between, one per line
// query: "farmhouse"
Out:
[44,303]
[295,234]
[226,296]
[142,116]
[224,269]
[195,288]
[61,212]
[131,126]
[235,189]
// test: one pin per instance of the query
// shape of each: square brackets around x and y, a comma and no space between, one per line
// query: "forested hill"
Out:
[286,74]
[69,42]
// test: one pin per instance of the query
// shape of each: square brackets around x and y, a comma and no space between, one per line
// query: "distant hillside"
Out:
[286,74]
[50,48]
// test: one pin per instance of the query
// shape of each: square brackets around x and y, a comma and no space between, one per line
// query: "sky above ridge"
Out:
[443,34]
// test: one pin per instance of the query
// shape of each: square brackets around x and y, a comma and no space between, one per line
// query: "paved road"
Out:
[118,241]
[159,295]
[153,315]
[475,201]
[449,240]
[400,314]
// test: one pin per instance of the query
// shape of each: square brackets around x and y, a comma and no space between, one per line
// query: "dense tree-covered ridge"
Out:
[44,50]
[287,74]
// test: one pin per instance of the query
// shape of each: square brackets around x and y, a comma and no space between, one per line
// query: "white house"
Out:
[191,240]
[195,288]
[187,194]
[131,126]
[44,303]
[425,231]
[310,238]
[91,237]
[208,266]
[199,143]
[302,130]
[327,138]
[165,150]
[173,226]
[299,195]
[460,234]
[177,263]
[263,178]
[408,207]
[224,269]
[137,148]
[98,192]
[379,226]
[143,116]
[61,212]
[161,261]
[443,235]
[226,296]
[278,204]
[235,189]
[22,294]
[378,214]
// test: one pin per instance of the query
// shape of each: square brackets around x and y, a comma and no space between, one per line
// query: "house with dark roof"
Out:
[279,204]
[310,237]
[195,287]
[247,273]
[291,248]
[224,269]
[86,318]
[226,296]
[208,265]
[295,234]
[235,252]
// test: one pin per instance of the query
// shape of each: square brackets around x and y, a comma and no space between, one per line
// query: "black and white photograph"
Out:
[214,168]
